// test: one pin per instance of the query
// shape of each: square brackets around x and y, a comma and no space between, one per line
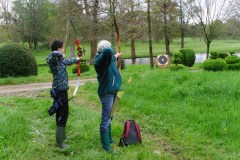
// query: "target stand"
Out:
[163,61]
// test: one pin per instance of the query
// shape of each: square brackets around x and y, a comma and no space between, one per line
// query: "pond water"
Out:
[200,58]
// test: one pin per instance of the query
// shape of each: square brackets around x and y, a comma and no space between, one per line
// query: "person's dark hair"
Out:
[56,44]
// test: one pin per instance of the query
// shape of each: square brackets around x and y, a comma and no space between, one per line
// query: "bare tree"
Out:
[133,53]
[234,20]
[94,39]
[134,20]
[130,21]
[150,34]
[184,17]
[5,15]
[91,13]
[209,14]
[165,11]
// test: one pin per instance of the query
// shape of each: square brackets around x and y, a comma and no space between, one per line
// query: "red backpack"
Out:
[131,134]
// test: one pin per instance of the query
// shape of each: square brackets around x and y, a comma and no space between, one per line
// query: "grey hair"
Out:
[103,44]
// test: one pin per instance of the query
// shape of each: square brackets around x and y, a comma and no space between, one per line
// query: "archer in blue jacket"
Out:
[57,64]
[109,83]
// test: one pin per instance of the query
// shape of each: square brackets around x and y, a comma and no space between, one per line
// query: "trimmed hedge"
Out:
[16,61]
[214,55]
[223,55]
[176,67]
[176,59]
[84,67]
[233,62]
[232,59]
[214,64]
[188,57]
[233,66]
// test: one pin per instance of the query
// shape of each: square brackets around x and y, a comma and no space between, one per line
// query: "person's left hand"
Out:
[117,55]
[78,58]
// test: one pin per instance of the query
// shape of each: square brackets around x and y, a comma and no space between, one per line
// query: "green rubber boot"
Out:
[106,142]
[60,136]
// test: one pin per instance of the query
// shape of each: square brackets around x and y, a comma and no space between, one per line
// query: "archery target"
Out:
[162,60]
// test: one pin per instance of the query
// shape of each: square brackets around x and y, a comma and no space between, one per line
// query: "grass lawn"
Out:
[182,115]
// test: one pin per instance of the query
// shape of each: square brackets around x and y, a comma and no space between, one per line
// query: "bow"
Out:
[80,52]
[79,66]
[119,63]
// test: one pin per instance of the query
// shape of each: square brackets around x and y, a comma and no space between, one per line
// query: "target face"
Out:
[162,59]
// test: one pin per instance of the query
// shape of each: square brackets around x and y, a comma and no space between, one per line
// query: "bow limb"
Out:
[79,66]
[79,49]
[119,64]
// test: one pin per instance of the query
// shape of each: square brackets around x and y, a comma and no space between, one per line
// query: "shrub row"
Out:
[221,61]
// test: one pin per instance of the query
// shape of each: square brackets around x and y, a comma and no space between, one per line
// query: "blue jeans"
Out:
[107,103]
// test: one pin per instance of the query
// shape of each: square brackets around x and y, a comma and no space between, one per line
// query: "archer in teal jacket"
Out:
[109,83]
[108,76]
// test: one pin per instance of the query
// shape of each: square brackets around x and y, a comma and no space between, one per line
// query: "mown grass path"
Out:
[36,86]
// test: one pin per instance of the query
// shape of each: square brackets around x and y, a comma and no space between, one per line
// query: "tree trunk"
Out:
[182,37]
[208,49]
[30,42]
[72,48]
[150,34]
[94,31]
[86,7]
[112,13]
[166,29]
[133,53]
[93,44]
[182,25]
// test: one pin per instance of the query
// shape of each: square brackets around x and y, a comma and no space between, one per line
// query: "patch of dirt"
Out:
[33,89]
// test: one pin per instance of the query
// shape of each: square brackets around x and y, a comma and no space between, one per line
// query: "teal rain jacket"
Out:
[108,76]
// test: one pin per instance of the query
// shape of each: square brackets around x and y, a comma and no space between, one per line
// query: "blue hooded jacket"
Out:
[57,64]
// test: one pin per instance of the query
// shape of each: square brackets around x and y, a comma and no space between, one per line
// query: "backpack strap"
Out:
[127,127]
[138,132]
[125,133]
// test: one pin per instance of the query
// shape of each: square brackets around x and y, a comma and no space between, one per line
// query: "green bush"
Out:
[232,53]
[223,55]
[233,66]
[16,61]
[83,66]
[83,61]
[214,55]
[233,62]
[176,59]
[232,59]
[175,67]
[214,64]
[188,57]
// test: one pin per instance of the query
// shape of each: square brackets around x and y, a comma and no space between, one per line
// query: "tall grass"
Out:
[182,115]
